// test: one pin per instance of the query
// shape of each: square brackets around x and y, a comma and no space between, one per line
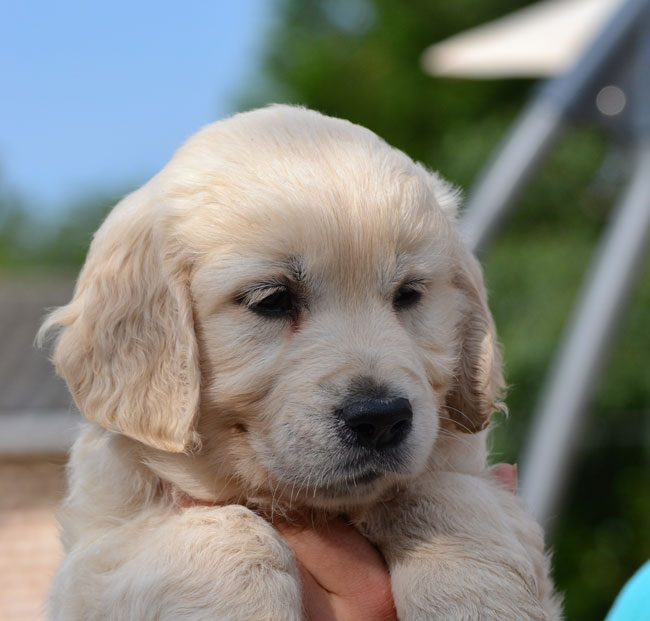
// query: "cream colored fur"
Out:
[189,389]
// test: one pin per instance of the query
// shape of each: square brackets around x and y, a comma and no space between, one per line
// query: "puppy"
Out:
[285,319]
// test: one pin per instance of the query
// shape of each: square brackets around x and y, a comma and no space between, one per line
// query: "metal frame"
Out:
[620,54]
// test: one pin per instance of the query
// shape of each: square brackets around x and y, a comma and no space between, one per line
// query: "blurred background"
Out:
[98,96]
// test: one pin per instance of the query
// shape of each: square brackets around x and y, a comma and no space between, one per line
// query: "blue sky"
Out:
[98,95]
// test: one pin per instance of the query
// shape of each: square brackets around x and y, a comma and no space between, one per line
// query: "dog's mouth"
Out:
[349,482]
[352,485]
[357,480]
[363,478]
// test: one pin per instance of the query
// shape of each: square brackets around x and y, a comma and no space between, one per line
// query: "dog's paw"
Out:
[252,571]
[455,587]
[202,564]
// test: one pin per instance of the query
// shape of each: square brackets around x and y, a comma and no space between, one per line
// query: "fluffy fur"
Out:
[190,387]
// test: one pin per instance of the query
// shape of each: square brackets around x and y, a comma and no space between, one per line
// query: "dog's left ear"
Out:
[478,379]
[126,344]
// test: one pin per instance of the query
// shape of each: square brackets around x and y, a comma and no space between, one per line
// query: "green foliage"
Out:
[29,243]
[361,60]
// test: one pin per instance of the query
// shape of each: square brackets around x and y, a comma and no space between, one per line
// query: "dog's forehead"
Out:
[349,259]
[286,182]
[334,234]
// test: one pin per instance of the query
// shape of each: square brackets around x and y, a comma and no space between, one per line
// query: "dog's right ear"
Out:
[126,344]
[479,385]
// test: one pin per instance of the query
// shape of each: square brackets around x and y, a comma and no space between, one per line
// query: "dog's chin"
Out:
[357,489]
[342,491]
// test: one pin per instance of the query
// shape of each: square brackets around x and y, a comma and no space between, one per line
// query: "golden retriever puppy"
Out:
[285,319]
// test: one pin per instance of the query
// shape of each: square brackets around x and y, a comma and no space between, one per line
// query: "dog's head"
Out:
[287,303]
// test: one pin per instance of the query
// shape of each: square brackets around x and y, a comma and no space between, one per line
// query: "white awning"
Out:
[541,40]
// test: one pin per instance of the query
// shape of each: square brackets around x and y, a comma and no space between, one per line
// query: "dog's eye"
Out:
[407,295]
[275,302]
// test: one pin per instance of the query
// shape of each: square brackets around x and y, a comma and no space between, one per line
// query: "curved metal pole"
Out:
[518,157]
[560,419]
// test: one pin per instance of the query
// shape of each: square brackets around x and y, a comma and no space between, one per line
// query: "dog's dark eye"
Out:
[407,295]
[277,302]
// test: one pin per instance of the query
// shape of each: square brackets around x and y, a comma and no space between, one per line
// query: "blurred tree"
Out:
[29,243]
[360,60]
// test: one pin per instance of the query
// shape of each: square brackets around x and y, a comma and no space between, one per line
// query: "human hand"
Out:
[344,576]
[507,475]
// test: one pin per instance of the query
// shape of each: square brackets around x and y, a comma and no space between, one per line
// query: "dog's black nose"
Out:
[378,423]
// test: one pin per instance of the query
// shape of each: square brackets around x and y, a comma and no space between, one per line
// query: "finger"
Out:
[346,568]
[317,602]
[336,555]
[507,475]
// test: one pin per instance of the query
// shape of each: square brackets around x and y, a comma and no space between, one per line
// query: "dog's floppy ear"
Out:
[478,380]
[126,344]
